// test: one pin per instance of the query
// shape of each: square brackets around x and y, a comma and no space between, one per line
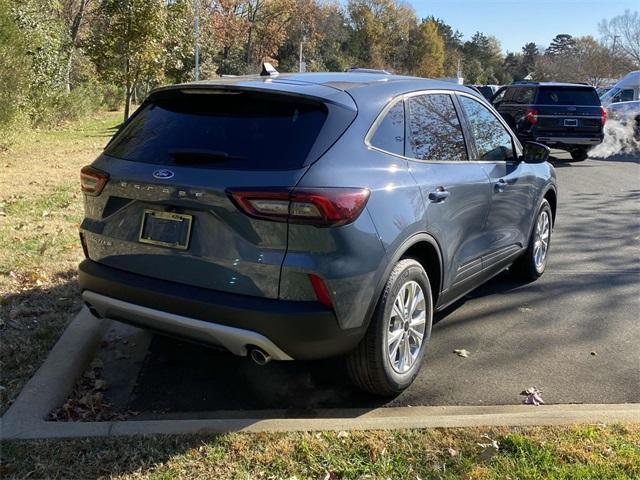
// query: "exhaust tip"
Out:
[259,356]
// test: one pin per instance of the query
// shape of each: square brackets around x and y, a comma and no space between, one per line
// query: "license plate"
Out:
[166,229]
[570,122]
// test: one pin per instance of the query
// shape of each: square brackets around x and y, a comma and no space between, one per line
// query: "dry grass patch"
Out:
[40,211]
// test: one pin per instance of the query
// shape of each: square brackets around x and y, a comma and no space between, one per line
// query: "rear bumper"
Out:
[285,329]
[586,141]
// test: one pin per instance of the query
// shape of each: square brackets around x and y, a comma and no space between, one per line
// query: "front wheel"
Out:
[388,358]
[531,265]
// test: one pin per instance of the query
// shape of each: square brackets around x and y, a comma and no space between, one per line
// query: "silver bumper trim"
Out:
[236,340]
[570,140]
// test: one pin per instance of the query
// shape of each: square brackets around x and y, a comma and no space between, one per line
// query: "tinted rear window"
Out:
[238,130]
[567,96]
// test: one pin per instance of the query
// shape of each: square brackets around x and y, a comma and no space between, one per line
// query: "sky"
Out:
[516,22]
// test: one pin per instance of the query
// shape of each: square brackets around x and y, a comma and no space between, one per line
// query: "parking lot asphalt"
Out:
[575,333]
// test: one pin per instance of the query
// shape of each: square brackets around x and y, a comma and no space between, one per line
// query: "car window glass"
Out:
[568,96]
[523,96]
[626,95]
[492,139]
[232,131]
[509,95]
[389,135]
[434,129]
[499,96]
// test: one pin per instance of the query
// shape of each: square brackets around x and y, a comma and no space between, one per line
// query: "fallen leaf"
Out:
[489,449]
[461,352]
[533,396]
[452,452]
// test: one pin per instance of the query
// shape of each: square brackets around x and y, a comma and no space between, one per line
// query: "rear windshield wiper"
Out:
[186,156]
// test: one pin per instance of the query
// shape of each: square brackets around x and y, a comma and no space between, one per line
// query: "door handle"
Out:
[499,186]
[439,195]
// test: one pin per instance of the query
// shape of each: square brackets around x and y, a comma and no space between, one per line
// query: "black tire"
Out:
[526,267]
[369,366]
[579,154]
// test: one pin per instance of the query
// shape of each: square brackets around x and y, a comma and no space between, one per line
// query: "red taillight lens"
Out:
[532,116]
[92,180]
[603,115]
[315,206]
[321,291]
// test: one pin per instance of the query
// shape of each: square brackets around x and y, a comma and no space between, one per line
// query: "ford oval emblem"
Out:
[163,173]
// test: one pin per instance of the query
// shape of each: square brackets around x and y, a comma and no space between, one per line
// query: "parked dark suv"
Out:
[561,115]
[311,215]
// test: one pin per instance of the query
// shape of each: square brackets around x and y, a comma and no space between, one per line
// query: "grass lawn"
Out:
[40,210]
[585,452]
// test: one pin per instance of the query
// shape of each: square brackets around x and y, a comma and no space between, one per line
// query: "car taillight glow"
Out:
[92,180]
[321,291]
[603,115]
[532,116]
[327,207]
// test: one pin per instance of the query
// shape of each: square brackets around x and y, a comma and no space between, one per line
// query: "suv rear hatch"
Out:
[166,210]
[567,111]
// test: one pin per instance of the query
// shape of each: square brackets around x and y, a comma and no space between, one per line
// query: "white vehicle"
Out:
[626,90]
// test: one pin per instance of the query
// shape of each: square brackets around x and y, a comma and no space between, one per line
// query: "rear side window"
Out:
[434,129]
[389,136]
[523,96]
[235,130]
[492,140]
[567,96]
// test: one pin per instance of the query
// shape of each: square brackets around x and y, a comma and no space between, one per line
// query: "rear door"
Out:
[456,192]
[568,111]
[166,211]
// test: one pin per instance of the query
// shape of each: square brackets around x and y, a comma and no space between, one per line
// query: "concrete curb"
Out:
[68,359]
[378,419]
[54,380]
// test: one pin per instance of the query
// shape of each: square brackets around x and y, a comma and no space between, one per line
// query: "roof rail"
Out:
[366,70]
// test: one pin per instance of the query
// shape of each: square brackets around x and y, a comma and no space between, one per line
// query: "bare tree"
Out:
[623,31]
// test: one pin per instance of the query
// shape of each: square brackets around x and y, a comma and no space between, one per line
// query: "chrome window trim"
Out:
[404,96]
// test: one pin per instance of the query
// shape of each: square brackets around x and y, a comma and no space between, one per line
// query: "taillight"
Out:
[92,180]
[603,115]
[321,291]
[325,207]
[532,116]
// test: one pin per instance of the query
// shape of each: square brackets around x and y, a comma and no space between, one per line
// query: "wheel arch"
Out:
[551,196]
[425,249]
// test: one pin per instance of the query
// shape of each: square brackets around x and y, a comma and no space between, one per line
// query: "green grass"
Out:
[551,453]
[40,211]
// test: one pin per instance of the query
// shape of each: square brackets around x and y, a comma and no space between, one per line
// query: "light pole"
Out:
[196,27]
[302,40]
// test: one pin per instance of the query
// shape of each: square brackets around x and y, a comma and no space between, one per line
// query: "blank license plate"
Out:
[166,229]
[570,122]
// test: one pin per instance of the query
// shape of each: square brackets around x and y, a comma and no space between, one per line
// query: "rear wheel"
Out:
[531,265]
[389,356]
[579,154]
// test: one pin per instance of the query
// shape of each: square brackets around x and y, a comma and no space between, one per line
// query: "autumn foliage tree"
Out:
[127,43]
[429,51]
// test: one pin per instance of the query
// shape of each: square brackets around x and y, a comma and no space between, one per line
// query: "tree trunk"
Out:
[127,94]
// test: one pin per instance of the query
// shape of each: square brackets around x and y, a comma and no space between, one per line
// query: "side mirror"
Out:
[535,152]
